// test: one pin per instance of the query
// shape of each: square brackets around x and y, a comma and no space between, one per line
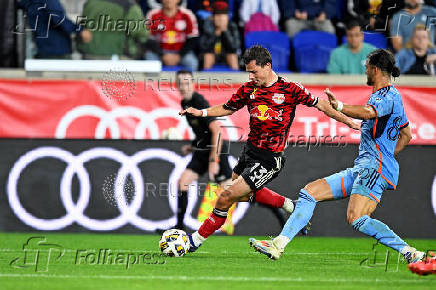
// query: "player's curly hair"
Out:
[258,53]
[384,60]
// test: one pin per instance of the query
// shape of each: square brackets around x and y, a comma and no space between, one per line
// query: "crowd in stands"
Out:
[210,34]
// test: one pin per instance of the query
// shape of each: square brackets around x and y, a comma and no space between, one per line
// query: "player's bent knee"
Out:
[316,189]
[225,200]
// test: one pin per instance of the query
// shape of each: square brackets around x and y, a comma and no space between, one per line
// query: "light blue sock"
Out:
[376,229]
[300,217]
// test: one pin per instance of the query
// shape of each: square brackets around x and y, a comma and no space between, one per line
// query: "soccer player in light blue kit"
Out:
[385,132]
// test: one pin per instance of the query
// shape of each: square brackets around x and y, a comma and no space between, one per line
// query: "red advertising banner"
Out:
[92,109]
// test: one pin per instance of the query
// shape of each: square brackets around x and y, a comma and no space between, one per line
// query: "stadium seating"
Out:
[376,39]
[312,50]
[278,43]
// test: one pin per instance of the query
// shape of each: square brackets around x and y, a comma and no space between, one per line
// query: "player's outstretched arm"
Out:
[353,111]
[403,140]
[215,111]
[325,107]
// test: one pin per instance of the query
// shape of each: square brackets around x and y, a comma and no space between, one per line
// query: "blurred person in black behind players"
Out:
[206,147]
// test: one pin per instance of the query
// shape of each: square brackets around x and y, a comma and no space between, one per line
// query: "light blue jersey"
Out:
[375,169]
[379,136]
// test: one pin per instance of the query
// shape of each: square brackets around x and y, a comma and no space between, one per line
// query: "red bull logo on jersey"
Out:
[278,98]
[263,112]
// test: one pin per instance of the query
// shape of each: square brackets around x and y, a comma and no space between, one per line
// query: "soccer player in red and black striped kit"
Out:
[271,102]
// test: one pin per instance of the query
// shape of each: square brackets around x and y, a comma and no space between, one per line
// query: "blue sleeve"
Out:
[59,17]
[384,105]
[330,8]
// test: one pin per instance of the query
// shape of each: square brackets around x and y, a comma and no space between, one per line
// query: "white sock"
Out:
[198,239]
[288,205]
[281,242]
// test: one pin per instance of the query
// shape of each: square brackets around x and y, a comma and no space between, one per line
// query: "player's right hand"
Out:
[191,111]
[354,125]
[332,98]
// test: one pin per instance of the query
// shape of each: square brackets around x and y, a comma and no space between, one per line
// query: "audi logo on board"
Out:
[147,122]
[128,211]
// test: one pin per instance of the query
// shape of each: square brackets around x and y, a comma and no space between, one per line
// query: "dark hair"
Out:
[258,53]
[351,24]
[183,72]
[384,60]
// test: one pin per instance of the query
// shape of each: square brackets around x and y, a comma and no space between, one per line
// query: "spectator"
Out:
[147,5]
[220,39]
[419,56]
[374,14]
[175,31]
[119,31]
[267,7]
[52,29]
[350,57]
[404,22]
[308,14]
[203,9]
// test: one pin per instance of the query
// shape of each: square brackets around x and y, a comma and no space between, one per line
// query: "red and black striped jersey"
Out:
[272,110]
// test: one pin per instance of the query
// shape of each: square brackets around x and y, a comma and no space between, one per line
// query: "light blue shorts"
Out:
[365,181]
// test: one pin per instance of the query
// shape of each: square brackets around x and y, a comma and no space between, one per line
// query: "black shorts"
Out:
[200,164]
[258,166]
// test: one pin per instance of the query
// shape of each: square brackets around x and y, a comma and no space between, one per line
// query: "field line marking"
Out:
[211,278]
[200,252]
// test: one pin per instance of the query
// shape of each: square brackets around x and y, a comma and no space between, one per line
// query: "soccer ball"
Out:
[174,243]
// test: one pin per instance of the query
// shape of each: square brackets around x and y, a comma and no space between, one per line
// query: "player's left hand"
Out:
[332,99]
[214,168]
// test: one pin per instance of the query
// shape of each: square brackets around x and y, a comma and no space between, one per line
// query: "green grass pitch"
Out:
[70,261]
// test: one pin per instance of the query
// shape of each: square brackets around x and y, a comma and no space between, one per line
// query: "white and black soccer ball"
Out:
[174,243]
